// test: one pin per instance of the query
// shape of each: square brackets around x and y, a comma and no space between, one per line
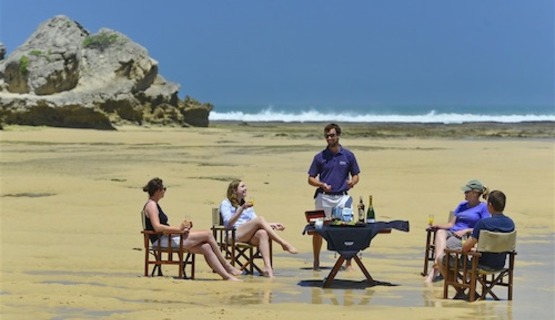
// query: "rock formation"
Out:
[2,51]
[65,76]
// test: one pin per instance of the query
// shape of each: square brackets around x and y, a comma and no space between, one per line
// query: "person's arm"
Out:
[469,244]
[152,212]
[446,225]
[463,232]
[354,180]
[354,171]
[313,172]
[228,216]
[313,181]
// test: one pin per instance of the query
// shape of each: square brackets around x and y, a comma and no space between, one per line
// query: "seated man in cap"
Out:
[498,222]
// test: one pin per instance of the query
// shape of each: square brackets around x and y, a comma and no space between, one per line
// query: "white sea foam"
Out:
[268,115]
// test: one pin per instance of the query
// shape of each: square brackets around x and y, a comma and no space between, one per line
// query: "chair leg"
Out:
[189,260]
[251,260]
[510,275]
[181,266]
[448,279]
[472,289]
[146,261]
[192,266]
[427,254]
[487,285]
[510,286]
[240,253]
[158,266]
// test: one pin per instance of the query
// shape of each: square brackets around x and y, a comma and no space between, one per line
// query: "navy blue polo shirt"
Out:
[497,223]
[334,169]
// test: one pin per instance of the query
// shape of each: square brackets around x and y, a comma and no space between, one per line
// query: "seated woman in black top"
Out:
[201,242]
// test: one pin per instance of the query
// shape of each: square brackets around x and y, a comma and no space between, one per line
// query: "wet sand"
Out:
[70,203]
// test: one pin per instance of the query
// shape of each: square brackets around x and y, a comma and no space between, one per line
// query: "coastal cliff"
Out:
[65,76]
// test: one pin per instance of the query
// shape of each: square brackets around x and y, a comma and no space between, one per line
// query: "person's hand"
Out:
[326,187]
[351,184]
[278,226]
[460,233]
[186,225]
[247,204]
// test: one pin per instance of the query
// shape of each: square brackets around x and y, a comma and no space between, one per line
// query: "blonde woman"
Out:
[250,228]
[465,216]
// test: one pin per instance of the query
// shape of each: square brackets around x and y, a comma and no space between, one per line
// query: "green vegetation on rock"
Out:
[100,41]
[24,64]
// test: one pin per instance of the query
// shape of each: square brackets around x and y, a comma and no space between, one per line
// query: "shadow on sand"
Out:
[310,268]
[346,284]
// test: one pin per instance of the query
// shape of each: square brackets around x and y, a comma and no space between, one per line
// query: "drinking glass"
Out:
[188,218]
[431,220]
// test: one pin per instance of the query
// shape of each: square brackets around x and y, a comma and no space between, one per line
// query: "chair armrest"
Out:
[223,228]
[461,253]
[222,231]
[150,246]
[458,260]
[151,232]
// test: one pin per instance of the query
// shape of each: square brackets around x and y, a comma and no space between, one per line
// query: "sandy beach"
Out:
[70,199]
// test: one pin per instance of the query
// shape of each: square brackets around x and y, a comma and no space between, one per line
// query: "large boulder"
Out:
[63,66]
[48,62]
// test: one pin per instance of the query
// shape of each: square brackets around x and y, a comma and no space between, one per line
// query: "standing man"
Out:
[333,171]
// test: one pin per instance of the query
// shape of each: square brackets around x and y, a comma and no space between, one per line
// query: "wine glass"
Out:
[430,220]
[188,219]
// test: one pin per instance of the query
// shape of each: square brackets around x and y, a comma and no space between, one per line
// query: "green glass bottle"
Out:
[361,210]
[370,214]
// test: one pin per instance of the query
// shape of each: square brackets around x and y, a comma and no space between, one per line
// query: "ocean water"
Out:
[407,114]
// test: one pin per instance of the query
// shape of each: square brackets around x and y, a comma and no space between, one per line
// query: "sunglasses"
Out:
[330,135]
[164,188]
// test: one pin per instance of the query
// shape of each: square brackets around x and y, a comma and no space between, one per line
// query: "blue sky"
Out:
[299,53]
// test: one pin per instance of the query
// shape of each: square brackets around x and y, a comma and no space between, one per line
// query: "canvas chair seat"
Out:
[241,254]
[468,274]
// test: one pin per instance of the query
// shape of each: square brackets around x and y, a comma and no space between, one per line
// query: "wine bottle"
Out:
[361,210]
[370,214]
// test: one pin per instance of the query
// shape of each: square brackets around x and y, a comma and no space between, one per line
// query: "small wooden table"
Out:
[348,241]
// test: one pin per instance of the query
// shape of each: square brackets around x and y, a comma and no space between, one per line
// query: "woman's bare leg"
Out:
[212,260]
[196,238]
[440,245]
[246,231]
[262,241]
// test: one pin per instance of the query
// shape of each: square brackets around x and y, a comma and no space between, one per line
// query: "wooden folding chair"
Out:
[242,254]
[430,248]
[158,255]
[464,272]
